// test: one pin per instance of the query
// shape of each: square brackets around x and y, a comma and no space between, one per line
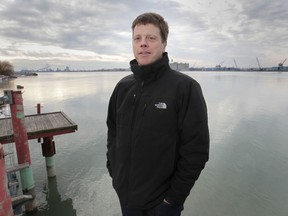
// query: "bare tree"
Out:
[6,68]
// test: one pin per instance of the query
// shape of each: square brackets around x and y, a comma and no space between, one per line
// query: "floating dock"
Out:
[38,126]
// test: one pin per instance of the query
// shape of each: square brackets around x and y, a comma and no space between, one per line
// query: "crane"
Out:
[260,68]
[235,63]
[219,65]
[282,63]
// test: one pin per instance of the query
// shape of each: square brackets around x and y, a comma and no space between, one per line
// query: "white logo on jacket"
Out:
[161,105]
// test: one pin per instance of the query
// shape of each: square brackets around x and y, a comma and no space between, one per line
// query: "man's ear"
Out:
[164,45]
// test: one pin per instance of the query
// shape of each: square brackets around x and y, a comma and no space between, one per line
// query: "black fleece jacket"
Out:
[158,138]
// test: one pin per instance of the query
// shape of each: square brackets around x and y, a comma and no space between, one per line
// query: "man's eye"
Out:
[136,38]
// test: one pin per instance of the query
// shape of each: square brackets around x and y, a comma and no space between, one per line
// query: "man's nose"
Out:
[143,42]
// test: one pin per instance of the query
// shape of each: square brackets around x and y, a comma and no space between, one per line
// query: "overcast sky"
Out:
[97,34]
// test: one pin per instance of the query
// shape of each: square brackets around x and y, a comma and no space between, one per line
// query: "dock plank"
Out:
[39,125]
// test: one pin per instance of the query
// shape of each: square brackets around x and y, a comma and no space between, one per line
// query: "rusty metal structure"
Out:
[19,129]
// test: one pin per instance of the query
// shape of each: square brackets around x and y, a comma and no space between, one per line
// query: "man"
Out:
[158,139]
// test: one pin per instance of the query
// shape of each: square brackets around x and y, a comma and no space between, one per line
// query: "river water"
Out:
[247,171]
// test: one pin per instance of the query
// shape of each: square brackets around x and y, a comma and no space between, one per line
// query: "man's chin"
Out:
[143,62]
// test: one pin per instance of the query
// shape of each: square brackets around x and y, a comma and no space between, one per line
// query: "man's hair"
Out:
[155,19]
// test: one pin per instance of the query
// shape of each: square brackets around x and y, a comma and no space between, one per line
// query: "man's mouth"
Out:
[144,53]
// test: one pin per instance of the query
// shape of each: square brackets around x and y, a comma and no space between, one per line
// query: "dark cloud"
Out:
[266,11]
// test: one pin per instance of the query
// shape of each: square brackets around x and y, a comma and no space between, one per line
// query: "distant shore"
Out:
[34,73]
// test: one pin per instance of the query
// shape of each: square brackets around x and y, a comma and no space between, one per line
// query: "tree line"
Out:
[6,68]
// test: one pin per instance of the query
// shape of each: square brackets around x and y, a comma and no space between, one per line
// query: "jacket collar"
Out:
[152,71]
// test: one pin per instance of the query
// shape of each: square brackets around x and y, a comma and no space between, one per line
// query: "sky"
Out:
[95,34]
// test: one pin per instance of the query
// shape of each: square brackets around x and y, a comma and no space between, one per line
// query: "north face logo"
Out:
[161,105]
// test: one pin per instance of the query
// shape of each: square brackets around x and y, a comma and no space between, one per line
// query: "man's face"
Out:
[147,44]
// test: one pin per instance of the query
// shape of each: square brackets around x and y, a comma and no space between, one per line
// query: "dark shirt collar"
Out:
[152,71]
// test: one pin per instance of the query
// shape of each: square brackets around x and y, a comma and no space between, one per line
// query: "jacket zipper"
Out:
[136,100]
[145,106]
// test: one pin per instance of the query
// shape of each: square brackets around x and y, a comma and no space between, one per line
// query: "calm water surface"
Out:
[247,171]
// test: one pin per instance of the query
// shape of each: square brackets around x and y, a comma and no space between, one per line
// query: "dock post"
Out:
[39,112]
[5,199]
[22,147]
[48,151]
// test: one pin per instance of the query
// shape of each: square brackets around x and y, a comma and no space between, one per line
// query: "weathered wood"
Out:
[17,167]
[21,199]
[39,125]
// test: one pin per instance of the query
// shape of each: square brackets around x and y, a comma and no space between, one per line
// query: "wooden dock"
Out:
[38,126]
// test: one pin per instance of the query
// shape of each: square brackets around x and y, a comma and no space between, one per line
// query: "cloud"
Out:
[206,32]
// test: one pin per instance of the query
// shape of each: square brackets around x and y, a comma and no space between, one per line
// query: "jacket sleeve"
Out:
[111,125]
[193,149]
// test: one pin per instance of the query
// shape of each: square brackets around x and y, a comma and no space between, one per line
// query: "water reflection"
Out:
[246,173]
[54,204]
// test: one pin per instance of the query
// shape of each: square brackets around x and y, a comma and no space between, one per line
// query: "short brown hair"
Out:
[155,19]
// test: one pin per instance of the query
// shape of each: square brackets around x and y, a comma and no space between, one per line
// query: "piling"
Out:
[22,147]
[5,199]
[39,112]
[48,151]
